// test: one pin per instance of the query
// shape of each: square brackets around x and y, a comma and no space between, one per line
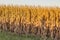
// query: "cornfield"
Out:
[41,21]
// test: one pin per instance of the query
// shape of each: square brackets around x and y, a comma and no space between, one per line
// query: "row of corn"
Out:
[41,21]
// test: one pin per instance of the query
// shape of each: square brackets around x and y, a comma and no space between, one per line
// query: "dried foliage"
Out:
[41,21]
